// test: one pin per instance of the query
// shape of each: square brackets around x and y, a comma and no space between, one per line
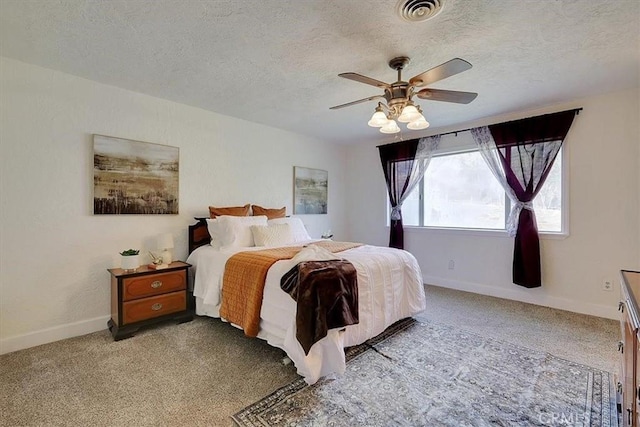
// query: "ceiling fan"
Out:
[398,95]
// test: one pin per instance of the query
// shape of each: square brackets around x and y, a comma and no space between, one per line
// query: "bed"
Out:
[389,283]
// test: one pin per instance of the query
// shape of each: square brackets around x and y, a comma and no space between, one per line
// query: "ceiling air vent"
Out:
[419,10]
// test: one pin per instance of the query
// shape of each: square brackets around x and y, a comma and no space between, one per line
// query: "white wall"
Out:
[603,156]
[54,253]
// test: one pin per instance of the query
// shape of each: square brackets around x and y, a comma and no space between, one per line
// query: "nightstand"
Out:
[147,296]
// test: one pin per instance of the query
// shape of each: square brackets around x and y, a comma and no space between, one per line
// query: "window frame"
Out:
[486,232]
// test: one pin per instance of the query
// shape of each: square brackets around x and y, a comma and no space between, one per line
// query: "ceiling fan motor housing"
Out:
[397,96]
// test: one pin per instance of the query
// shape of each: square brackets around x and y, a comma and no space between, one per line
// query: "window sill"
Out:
[476,232]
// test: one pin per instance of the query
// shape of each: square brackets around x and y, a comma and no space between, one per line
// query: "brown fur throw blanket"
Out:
[326,293]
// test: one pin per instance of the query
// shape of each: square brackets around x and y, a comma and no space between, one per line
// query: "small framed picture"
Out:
[310,190]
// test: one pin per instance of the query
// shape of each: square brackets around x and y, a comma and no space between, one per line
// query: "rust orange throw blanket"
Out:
[243,282]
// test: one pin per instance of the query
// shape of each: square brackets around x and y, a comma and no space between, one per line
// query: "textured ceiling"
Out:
[276,61]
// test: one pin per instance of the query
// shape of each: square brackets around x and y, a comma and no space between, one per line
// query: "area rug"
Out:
[426,374]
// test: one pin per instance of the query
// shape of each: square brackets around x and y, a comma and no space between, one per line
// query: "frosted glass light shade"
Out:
[165,241]
[390,127]
[409,114]
[421,123]
[378,120]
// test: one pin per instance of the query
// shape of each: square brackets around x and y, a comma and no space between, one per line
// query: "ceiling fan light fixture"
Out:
[378,119]
[418,124]
[398,95]
[409,114]
[390,127]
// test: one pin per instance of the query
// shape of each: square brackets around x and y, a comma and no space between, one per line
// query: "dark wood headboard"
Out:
[198,234]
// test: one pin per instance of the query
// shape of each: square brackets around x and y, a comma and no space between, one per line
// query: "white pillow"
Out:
[214,231]
[297,228]
[272,235]
[235,231]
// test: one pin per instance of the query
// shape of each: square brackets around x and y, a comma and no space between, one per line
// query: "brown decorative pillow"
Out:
[270,213]
[229,210]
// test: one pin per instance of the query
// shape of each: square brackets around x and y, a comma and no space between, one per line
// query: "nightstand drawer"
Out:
[148,308]
[154,284]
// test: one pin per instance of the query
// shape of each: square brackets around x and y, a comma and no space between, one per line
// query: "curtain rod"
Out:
[456,132]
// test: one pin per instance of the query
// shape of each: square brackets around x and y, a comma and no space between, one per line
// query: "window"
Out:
[459,191]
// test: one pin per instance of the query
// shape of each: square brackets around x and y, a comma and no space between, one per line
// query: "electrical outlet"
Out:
[452,264]
[607,285]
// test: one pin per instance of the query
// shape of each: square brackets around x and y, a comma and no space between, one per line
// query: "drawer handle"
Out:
[621,306]
[620,346]
[157,306]
[619,387]
[156,284]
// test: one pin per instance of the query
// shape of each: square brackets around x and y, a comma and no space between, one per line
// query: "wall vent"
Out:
[419,10]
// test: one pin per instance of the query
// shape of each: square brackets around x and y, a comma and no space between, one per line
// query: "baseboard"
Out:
[55,333]
[83,327]
[531,298]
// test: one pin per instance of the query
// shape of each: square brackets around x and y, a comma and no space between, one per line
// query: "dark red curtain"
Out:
[527,149]
[397,162]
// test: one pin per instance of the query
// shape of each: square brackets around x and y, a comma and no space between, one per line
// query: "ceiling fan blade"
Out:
[348,104]
[440,72]
[364,79]
[447,95]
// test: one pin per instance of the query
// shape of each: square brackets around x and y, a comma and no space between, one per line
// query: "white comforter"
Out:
[389,284]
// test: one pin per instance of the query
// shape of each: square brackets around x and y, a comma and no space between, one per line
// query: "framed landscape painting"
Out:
[134,177]
[310,191]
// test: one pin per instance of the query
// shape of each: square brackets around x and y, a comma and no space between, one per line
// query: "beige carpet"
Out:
[200,373]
